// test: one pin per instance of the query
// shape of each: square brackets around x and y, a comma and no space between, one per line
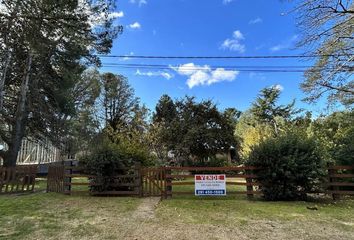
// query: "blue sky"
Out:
[208,28]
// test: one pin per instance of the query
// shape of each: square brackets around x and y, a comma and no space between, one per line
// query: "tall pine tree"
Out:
[45,46]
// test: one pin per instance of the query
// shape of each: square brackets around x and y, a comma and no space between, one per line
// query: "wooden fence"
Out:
[154,182]
[235,176]
[169,181]
[17,179]
[340,181]
[55,178]
[73,180]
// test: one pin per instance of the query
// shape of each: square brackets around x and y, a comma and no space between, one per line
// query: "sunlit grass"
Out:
[41,215]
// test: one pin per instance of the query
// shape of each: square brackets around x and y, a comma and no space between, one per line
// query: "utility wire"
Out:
[221,57]
[202,66]
[266,68]
[138,65]
[236,69]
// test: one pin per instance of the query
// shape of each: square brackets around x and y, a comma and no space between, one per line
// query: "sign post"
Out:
[210,185]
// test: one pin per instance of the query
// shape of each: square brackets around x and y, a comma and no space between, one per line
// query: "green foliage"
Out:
[197,132]
[343,153]
[265,108]
[165,110]
[334,133]
[125,120]
[81,129]
[251,133]
[290,166]
[109,159]
[214,161]
[45,47]
[119,102]
[138,152]
[106,160]
[125,152]
[265,119]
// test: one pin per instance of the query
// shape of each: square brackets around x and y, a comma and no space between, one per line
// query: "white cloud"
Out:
[189,69]
[204,75]
[256,20]
[155,74]
[198,78]
[139,2]
[238,35]
[278,87]
[234,43]
[98,19]
[278,47]
[135,25]
[226,1]
[284,45]
[119,14]
[220,74]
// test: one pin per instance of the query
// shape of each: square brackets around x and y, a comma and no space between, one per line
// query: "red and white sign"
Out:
[210,185]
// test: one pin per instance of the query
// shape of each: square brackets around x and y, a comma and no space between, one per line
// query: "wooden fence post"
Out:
[67,187]
[168,186]
[249,186]
[138,179]
[332,179]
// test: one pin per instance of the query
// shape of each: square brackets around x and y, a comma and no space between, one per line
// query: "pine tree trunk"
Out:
[20,121]
[8,57]
[2,80]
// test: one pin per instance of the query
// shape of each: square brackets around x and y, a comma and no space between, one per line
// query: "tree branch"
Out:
[336,88]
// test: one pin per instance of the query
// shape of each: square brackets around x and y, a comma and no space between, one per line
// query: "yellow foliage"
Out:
[252,135]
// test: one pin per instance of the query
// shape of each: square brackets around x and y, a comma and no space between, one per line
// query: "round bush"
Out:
[290,165]
[105,163]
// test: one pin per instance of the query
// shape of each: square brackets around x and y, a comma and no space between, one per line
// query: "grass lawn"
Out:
[222,218]
[55,216]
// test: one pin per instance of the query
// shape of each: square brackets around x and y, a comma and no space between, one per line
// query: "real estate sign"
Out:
[210,185]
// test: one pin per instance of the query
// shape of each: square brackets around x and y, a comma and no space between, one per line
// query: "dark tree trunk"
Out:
[20,121]
[2,80]
[8,57]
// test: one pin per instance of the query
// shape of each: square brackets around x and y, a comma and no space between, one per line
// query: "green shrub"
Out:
[290,165]
[105,162]
[343,152]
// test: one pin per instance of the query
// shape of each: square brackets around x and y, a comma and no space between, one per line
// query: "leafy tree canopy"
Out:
[327,31]
[197,131]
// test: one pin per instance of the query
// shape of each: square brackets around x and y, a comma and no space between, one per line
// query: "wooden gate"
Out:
[55,178]
[153,182]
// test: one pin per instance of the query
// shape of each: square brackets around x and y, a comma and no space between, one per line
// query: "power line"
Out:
[203,66]
[248,69]
[221,57]
[241,68]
